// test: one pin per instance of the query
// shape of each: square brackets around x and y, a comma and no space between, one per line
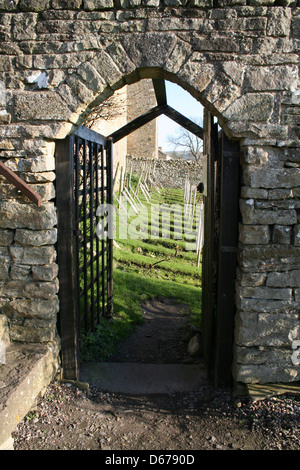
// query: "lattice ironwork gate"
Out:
[84,178]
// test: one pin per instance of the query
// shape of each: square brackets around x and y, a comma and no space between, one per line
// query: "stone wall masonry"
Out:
[170,173]
[240,58]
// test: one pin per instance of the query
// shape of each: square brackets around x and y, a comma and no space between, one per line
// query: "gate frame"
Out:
[221,204]
[69,315]
[218,289]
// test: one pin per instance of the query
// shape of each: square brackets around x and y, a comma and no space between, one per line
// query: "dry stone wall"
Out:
[170,173]
[240,58]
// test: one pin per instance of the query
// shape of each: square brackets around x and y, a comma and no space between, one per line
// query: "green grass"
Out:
[146,269]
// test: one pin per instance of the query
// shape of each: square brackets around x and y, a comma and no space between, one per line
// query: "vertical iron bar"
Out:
[91,214]
[109,184]
[85,274]
[69,325]
[103,240]
[97,238]
[77,214]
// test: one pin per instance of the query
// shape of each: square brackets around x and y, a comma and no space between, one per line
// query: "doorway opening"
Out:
[142,219]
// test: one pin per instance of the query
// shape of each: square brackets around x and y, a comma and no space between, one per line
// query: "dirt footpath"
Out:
[205,419]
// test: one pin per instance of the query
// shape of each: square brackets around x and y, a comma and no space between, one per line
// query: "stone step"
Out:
[139,378]
[28,370]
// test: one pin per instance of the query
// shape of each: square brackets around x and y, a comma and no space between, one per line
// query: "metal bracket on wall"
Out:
[20,184]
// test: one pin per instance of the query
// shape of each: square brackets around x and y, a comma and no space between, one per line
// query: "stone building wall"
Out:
[240,59]
[144,141]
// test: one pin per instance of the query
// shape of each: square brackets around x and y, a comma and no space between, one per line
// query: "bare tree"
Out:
[185,140]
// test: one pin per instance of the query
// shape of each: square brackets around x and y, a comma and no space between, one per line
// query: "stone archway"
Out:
[241,62]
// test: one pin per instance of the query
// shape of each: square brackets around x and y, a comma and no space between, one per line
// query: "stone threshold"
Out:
[28,370]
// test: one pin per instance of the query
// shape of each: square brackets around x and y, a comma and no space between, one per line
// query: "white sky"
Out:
[185,104]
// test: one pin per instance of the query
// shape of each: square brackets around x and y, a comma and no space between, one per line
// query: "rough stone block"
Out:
[34,308]
[36,164]
[267,293]
[34,5]
[297,235]
[279,21]
[24,26]
[92,5]
[284,279]
[282,234]
[272,178]
[4,271]
[32,332]
[35,106]
[251,107]
[279,77]
[14,214]
[254,234]
[6,237]
[33,255]
[36,238]
[262,374]
[45,273]
[251,279]
[41,290]
[252,216]
[269,258]
[19,271]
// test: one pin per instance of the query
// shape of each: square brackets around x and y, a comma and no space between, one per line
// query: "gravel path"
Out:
[206,419]
[66,419]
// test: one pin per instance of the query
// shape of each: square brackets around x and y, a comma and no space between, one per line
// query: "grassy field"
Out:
[146,268]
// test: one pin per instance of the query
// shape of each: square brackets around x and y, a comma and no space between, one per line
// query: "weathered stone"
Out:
[34,238]
[297,235]
[45,273]
[251,107]
[6,237]
[265,293]
[65,4]
[253,193]
[41,290]
[268,329]
[252,279]
[33,332]
[282,234]
[34,106]
[265,374]
[268,258]
[9,5]
[19,271]
[18,215]
[33,255]
[24,25]
[34,5]
[4,271]
[194,345]
[252,216]
[279,19]
[37,164]
[254,234]
[32,308]
[97,4]
[272,178]
[283,279]
[272,78]
[152,51]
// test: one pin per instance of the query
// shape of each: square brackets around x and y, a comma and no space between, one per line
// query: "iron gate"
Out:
[221,196]
[83,184]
